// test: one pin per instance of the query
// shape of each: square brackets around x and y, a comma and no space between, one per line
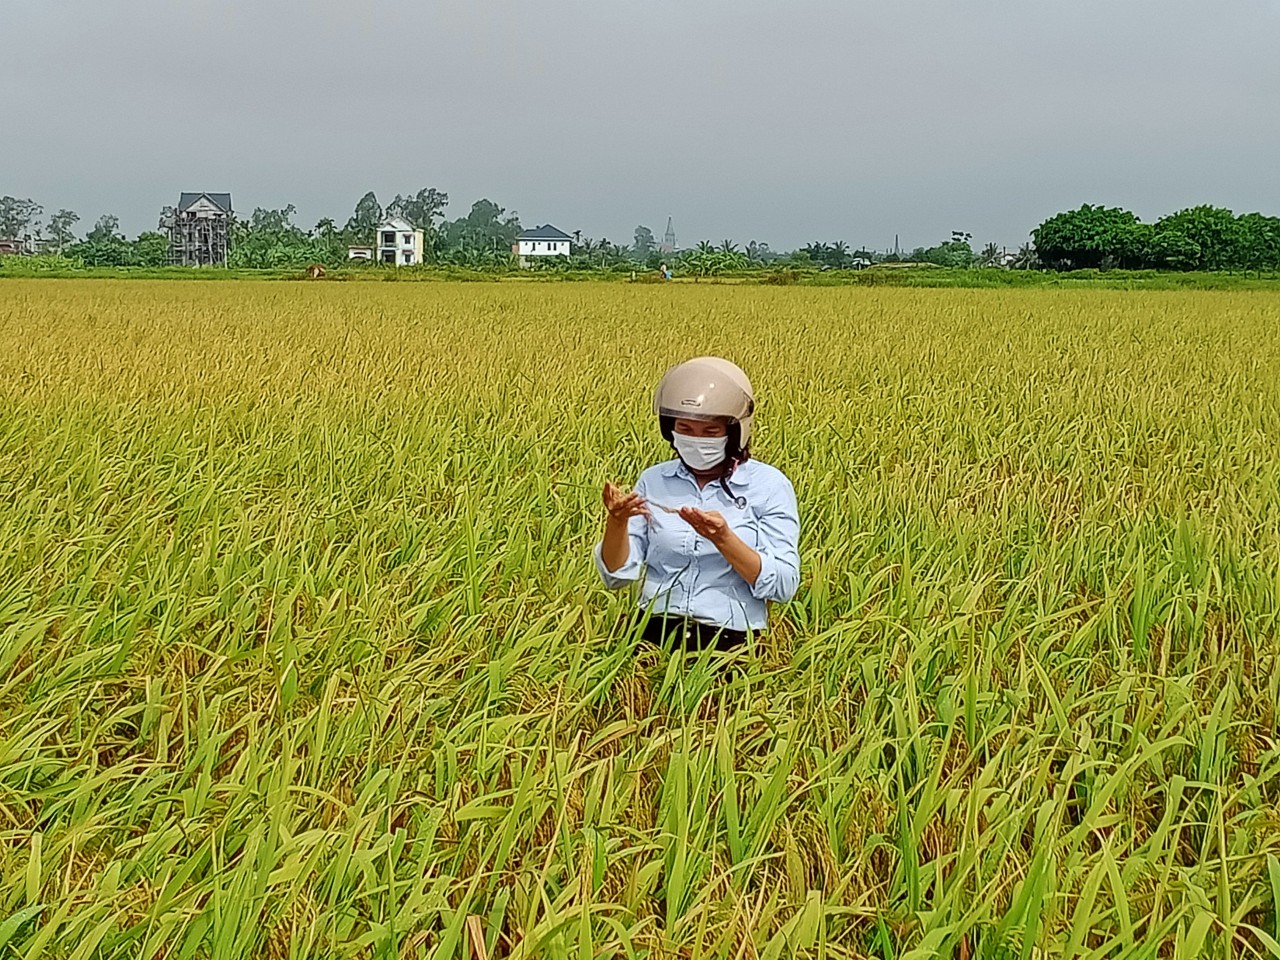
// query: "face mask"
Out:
[700,453]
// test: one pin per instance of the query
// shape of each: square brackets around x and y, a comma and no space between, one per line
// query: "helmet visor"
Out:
[686,414]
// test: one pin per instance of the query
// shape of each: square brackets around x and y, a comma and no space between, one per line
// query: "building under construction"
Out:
[200,230]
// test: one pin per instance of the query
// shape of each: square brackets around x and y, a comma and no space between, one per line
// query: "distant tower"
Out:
[669,239]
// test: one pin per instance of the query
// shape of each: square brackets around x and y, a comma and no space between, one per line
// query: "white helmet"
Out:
[708,388]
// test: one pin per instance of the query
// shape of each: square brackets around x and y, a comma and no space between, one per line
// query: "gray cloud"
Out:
[776,121]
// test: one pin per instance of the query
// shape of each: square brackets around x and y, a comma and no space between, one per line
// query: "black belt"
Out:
[691,634]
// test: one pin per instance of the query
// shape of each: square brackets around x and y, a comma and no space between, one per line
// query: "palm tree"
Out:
[817,251]
[728,246]
[1026,258]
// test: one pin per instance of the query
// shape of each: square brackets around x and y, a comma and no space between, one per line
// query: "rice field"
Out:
[302,653]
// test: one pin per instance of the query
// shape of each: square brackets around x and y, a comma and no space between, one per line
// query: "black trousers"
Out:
[691,634]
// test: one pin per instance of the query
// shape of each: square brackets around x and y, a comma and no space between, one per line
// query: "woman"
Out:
[713,533]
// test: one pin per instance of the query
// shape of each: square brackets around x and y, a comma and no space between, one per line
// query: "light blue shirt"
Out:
[684,574]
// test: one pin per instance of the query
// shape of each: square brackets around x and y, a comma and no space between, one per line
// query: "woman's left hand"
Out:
[707,523]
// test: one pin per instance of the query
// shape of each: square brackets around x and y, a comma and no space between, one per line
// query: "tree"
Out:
[1197,238]
[829,255]
[1213,230]
[422,209]
[591,254]
[104,246]
[816,251]
[17,216]
[1026,258]
[706,260]
[796,259]
[329,243]
[1171,249]
[644,243]
[1092,237]
[61,226]
[151,249]
[265,220]
[106,229]
[1259,242]
[364,219]
[269,238]
[486,227]
[954,253]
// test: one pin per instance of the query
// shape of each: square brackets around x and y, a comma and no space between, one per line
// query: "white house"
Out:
[543,241]
[399,242]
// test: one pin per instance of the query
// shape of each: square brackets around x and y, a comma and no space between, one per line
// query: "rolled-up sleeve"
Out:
[629,572]
[779,547]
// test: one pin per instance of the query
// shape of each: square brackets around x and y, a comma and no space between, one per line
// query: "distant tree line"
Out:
[1198,238]
[102,245]
[1092,237]
[482,238]
[269,238]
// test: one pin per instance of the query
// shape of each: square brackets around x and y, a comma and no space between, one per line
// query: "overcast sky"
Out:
[784,121]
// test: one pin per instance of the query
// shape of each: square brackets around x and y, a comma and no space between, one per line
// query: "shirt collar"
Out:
[676,468]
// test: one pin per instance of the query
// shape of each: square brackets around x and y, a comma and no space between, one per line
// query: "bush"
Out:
[784,277]
[44,265]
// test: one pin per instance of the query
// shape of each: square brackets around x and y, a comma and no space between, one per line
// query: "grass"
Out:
[883,275]
[302,654]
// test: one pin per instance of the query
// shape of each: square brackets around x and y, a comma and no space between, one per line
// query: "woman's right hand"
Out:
[623,506]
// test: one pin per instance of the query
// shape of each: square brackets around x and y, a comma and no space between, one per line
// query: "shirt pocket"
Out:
[744,522]
[670,540]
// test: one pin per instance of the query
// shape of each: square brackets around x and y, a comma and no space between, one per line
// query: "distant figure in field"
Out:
[713,533]
[664,271]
